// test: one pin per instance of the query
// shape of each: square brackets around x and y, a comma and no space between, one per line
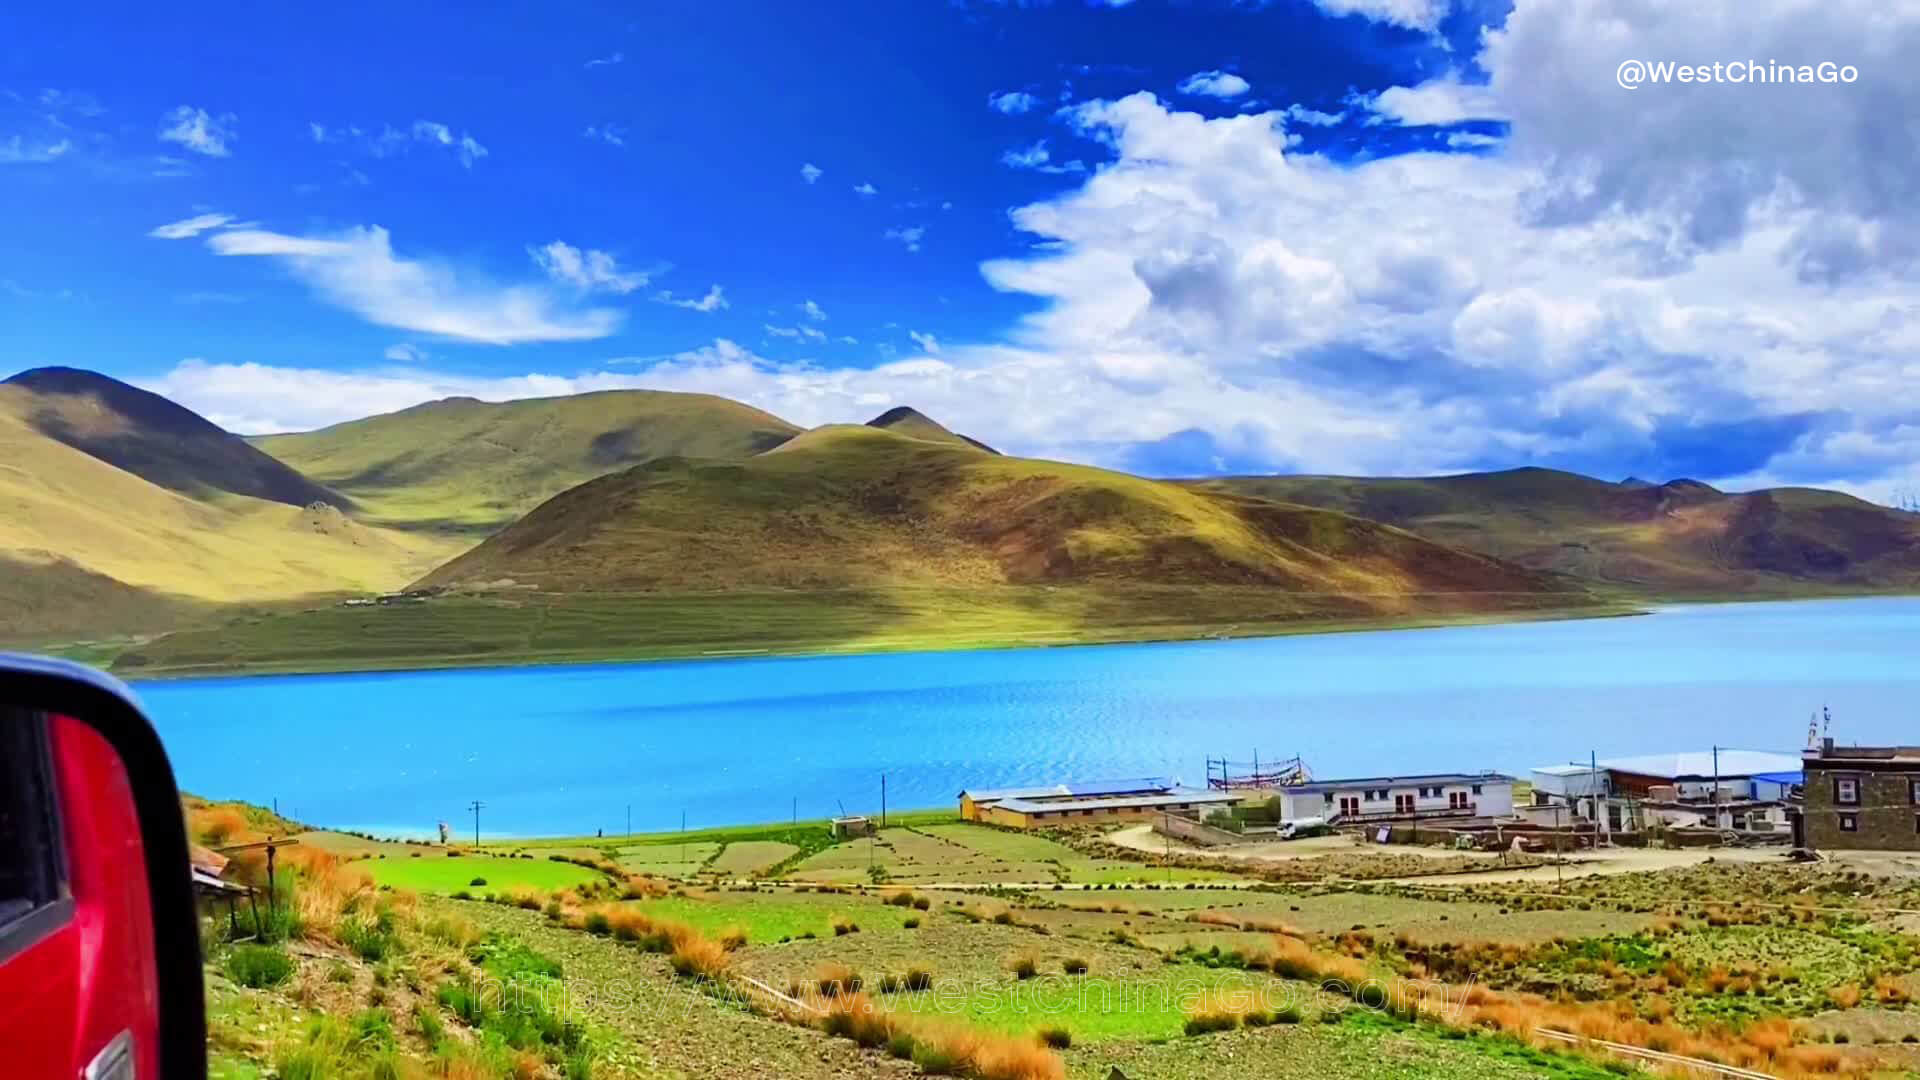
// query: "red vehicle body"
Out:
[99,943]
[87,991]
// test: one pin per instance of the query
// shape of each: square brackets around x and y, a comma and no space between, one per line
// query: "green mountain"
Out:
[902,420]
[1681,537]
[153,438]
[858,506]
[461,466]
[121,512]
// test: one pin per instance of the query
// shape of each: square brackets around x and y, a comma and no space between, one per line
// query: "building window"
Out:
[1849,823]
[1846,790]
[1914,787]
[1476,789]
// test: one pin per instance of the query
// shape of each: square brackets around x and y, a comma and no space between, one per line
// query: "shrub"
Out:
[695,956]
[477,882]
[903,898]
[889,984]
[598,923]
[427,1020]
[909,923]
[900,1045]
[259,966]
[1057,1037]
[1025,967]
[852,1016]
[1074,965]
[843,926]
[1845,996]
[918,980]
[733,938]
[836,980]
[921,903]
[366,937]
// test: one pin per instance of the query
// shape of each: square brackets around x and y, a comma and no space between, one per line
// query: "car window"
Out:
[31,863]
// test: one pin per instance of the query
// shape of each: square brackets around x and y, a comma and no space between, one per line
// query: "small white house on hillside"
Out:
[1391,798]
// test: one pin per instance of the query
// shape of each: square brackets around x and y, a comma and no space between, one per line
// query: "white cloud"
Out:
[927,342]
[607,61]
[190,227]
[611,134]
[585,269]
[390,141]
[1412,14]
[866,190]
[1464,140]
[909,236]
[198,130]
[358,270]
[1012,102]
[406,354]
[795,333]
[1039,159]
[1219,84]
[465,146]
[813,311]
[1664,281]
[811,172]
[714,300]
[1436,103]
[16,150]
[1300,114]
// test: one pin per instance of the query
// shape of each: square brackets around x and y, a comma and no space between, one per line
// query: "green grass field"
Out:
[523,627]
[436,873]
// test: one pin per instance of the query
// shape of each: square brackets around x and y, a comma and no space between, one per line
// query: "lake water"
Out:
[567,749]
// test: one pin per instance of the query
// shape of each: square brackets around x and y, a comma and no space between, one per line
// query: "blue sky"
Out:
[1342,235]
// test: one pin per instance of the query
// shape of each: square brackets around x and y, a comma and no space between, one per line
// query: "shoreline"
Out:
[1605,609]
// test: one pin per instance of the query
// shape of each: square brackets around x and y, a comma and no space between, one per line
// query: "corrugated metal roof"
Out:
[1398,781]
[1794,777]
[1700,764]
[1026,806]
[1563,770]
[1086,787]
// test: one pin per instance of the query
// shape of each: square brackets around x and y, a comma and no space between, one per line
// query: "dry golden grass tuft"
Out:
[697,956]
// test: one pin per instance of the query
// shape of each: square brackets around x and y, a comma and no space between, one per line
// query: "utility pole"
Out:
[883,800]
[1559,843]
[629,821]
[1716,787]
[683,836]
[476,808]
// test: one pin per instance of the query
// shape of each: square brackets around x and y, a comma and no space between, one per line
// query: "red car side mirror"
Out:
[99,938]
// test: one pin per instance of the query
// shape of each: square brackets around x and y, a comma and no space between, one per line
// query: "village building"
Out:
[1087,803]
[1861,797]
[1746,791]
[1398,798]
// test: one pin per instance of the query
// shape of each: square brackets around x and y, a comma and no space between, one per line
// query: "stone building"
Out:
[1861,797]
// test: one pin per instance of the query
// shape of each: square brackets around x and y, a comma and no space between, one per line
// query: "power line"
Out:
[476,807]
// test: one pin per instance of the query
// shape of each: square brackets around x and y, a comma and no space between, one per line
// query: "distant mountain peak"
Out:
[909,421]
[901,414]
[156,439]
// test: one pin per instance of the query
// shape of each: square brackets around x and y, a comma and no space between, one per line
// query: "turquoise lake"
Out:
[567,749]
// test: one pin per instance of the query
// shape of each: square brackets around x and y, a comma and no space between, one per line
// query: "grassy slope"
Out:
[470,467]
[103,548]
[153,438]
[859,507]
[858,539]
[1677,538]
